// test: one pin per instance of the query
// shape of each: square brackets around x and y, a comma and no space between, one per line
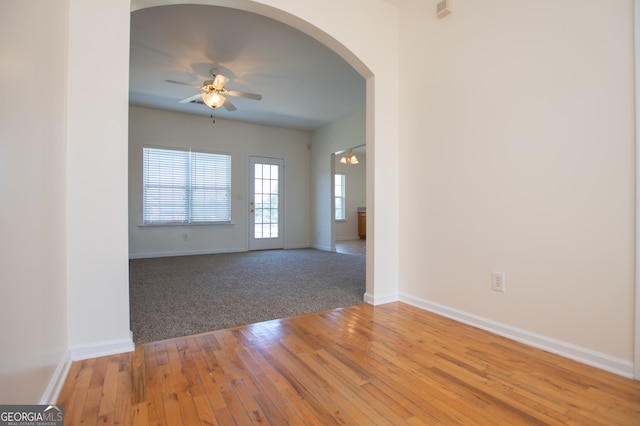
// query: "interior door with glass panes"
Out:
[266,198]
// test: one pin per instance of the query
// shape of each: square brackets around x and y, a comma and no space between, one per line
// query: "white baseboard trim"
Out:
[376,300]
[52,392]
[568,350]
[112,347]
[297,246]
[184,253]
[354,237]
[197,252]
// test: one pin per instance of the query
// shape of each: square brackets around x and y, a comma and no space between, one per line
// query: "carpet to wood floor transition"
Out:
[179,296]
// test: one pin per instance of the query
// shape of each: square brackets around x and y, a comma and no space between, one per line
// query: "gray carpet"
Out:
[185,295]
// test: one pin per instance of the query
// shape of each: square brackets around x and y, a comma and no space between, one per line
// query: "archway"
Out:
[97,248]
[292,19]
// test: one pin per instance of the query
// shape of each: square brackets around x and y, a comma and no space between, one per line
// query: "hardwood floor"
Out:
[387,365]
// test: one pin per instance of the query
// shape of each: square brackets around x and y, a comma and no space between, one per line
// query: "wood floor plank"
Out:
[172,412]
[346,395]
[78,397]
[204,410]
[153,387]
[207,379]
[108,401]
[140,414]
[311,393]
[265,393]
[71,383]
[123,408]
[92,403]
[139,380]
[98,372]
[230,401]
[240,389]
[389,364]
[279,390]
[188,410]
[180,383]
[352,388]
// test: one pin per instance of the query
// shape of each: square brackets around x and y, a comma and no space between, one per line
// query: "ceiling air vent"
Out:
[443,8]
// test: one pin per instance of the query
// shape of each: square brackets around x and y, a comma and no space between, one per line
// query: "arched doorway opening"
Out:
[97,261]
[320,228]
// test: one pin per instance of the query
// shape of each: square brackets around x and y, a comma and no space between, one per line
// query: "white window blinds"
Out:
[185,186]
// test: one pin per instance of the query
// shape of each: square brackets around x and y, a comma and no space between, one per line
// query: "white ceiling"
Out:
[304,84]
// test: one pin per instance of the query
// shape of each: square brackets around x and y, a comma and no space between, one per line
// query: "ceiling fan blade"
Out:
[228,105]
[245,95]
[184,84]
[219,81]
[191,98]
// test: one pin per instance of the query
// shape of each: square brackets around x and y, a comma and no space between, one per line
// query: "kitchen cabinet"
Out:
[362,225]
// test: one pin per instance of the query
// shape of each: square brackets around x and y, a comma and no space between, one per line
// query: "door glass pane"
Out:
[339,196]
[266,201]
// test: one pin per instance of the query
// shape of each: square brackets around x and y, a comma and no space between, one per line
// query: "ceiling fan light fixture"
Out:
[213,91]
[213,99]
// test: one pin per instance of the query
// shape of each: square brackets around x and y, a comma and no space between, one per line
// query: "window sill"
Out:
[172,225]
[341,220]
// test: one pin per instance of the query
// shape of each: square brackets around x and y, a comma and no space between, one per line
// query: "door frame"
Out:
[272,243]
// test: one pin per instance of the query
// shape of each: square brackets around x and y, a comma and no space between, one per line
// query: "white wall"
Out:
[517,133]
[33,325]
[356,194]
[168,129]
[338,136]
[528,86]
[97,246]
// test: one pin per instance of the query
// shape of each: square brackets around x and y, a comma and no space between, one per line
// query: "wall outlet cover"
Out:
[498,281]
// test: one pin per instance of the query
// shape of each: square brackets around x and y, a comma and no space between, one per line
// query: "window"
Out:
[339,194]
[185,186]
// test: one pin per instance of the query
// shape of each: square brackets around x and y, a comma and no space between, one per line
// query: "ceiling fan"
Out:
[214,93]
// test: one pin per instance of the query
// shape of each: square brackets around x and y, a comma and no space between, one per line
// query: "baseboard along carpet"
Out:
[185,295]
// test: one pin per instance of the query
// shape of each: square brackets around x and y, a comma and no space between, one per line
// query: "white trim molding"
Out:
[185,253]
[202,252]
[111,347]
[376,300]
[319,247]
[296,246]
[577,353]
[52,392]
[351,238]
[636,50]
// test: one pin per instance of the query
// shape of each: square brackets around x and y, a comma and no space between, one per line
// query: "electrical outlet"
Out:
[185,237]
[498,282]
